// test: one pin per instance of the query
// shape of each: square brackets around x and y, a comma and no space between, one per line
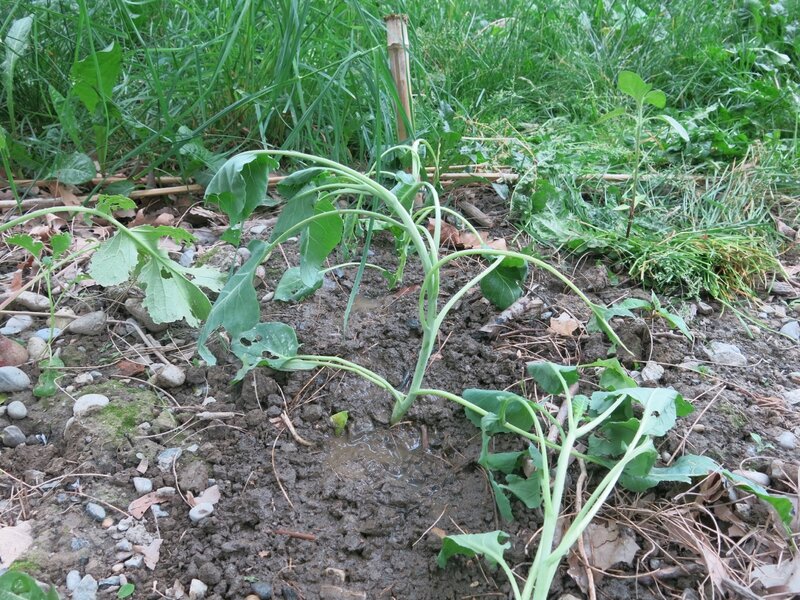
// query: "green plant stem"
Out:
[637,144]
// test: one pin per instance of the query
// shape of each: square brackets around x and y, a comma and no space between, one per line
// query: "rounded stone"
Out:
[12,436]
[73,579]
[95,511]
[16,410]
[201,511]
[16,324]
[89,403]
[37,348]
[261,589]
[142,485]
[13,379]
[89,324]
[170,376]
[48,333]
[786,440]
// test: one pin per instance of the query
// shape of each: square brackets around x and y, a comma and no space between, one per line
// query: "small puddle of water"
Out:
[376,456]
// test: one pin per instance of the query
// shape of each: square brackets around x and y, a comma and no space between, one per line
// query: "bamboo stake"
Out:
[399,65]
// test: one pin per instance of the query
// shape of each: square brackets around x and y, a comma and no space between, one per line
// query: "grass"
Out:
[200,80]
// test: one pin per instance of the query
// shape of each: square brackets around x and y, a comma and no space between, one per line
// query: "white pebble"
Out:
[201,511]
[16,410]
[89,403]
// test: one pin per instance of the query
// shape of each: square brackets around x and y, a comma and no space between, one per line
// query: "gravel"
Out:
[95,511]
[16,410]
[92,323]
[143,485]
[16,324]
[201,511]
[12,436]
[89,403]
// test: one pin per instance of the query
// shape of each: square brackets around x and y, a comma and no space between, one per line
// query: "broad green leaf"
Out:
[240,187]
[529,490]
[548,376]
[191,146]
[498,403]
[505,462]
[782,505]
[114,261]
[490,545]
[503,286]
[15,585]
[634,86]
[682,470]
[612,438]
[545,193]
[679,129]
[72,169]
[60,243]
[657,98]
[125,591]
[236,308]
[660,410]
[16,43]
[634,476]
[93,77]
[602,401]
[23,240]
[292,287]
[318,240]
[295,211]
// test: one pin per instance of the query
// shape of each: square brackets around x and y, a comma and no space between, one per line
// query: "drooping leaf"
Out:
[490,545]
[677,127]
[239,187]
[406,189]
[528,491]
[505,462]
[318,240]
[16,43]
[108,203]
[72,169]
[501,500]
[292,287]
[548,376]
[496,402]
[296,210]
[236,308]
[93,77]
[503,286]
[660,410]
[676,321]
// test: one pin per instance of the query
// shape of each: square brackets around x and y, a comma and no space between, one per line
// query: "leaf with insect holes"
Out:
[271,344]
[503,286]
[108,203]
[172,291]
[239,187]
[93,77]
[114,261]
[548,376]
[236,308]
[292,287]
[23,240]
[505,406]
[72,169]
[490,545]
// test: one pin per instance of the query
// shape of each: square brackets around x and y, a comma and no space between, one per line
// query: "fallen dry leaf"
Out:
[781,578]
[129,368]
[138,507]
[14,542]
[452,237]
[608,544]
[211,496]
[564,325]
[151,553]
